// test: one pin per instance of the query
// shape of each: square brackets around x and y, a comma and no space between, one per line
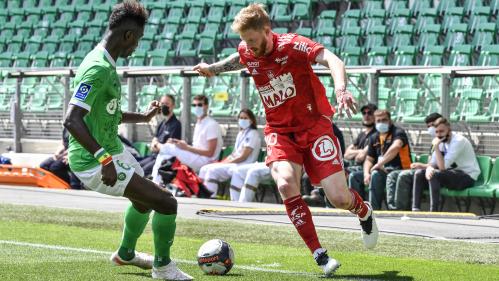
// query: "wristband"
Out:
[103,156]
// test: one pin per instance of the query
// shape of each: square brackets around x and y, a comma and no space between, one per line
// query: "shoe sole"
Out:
[330,274]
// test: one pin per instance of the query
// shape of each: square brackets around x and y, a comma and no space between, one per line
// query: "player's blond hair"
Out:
[252,17]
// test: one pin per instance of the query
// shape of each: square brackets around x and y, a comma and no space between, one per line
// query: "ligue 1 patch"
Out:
[121,176]
[82,91]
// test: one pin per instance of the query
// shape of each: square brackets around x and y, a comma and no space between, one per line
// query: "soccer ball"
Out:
[215,257]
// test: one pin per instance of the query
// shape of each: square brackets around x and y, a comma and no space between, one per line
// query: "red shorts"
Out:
[317,149]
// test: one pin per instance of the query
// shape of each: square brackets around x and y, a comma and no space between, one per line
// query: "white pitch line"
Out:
[91,251]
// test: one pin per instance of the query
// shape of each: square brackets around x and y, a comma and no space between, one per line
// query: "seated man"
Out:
[245,181]
[168,127]
[206,146]
[357,151]
[388,151]
[403,186]
[246,150]
[58,164]
[453,164]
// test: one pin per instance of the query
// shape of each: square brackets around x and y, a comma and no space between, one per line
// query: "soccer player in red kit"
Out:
[298,131]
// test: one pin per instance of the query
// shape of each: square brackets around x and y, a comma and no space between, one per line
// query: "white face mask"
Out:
[244,123]
[198,111]
[431,131]
[382,127]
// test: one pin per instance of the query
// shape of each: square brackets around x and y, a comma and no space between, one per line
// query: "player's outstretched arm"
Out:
[76,126]
[229,64]
[344,98]
[136,117]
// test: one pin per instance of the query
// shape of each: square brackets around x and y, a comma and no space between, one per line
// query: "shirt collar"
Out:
[106,53]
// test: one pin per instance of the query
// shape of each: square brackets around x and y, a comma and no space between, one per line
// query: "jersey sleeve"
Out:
[92,83]
[304,49]
[252,140]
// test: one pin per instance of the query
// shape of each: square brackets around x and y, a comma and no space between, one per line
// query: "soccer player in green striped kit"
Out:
[96,154]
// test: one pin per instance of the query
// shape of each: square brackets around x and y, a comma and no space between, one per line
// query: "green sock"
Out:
[135,222]
[163,228]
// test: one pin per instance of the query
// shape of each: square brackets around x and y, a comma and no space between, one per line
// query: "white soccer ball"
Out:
[216,257]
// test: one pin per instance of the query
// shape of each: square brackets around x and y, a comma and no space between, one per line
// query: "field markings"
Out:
[92,251]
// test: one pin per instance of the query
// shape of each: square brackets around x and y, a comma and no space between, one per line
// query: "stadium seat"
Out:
[406,103]
[49,14]
[50,44]
[40,59]
[138,58]
[142,148]
[494,7]
[67,43]
[452,16]
[16,15]
[484,35]
[432,55]
[158,57]
[225,52]
[54,101]
[349,37]
[375,37]
[402,36]
[456,35]
[234,7]
[480,16]
[16,44]
[378,56]
[194,15]
[405,55]
[39,98]
[280,11]
[4,15]
[59,29]
[470,104]
[59,59]
[86,42]
[170,30]
[34,43]
[66,13]
[326,23]
[399,18]
[22,60]
[210,30]
[176,12]
[427,16]
[76,58]
[215,11]
[492,112]
[352,56]
[146,42]
[145,96]
[396,5]
[445,5]
[85,13]
[460,56]
[472,5]
[304,31]
[429,36]
[350,19]
[373,18]
[490,190]
[301,10]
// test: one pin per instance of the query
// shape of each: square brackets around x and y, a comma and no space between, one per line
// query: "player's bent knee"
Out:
[166,204]
[342,200]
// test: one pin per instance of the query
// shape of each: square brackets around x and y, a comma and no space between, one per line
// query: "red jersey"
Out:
[293,96]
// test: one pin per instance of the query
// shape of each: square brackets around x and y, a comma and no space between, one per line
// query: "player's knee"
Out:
[286,187]
[342,200]
[166,204]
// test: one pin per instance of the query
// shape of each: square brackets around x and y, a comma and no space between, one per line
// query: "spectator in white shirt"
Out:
[246,150]
[453,165]
[206,146]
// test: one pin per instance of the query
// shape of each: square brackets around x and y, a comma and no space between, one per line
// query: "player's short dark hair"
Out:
[432,117]
[202,98]
[440,121]
[383,112]
[251,116]
[128,10]
[171,97]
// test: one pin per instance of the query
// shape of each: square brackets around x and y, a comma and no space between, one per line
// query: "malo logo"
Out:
[302,46]
[324,149]
[278,91]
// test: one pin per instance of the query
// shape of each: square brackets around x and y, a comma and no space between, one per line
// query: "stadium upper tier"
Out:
[56,33]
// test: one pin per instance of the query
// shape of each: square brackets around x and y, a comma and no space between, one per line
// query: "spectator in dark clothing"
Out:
[357,151]
[58,163]
[388,151]
[168,127]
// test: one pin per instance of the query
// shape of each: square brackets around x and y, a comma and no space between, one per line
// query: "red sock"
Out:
[300,216]
[358,206]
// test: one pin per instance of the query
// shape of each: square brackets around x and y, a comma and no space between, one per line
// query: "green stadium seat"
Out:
[470,104]
[55,101]
[304,31]
[406,103]
[39,98]
[429,36]
[101,12]
[326,23]
[491,114]
[484,35]
[370,6]
[280,11]
[33,45]
[396,5]
[156,14]
[164,44]
[33,15]
[16,15]
[76,58]
[6,59]
[185,48]
[350,37]
[44,3]
[78,3]
[351,56]
[301,9]
[432,56]
[479,16]
[327,40]
[142,148]
[22,60]
[206,47]
[59,29]
[16,43]
[234,8]
[49,14]
[138,58]
[40,59]
[350,19]
[225,52]
[384,98]
[399,17]
[59,59]
[24,29]
[170,30]
[210,30]
[215,11]
[67,43]
[405,55]
[446,5]
[378,56]
[456,35]
[373,18]
[194,15]
[146,42]
[158,57]
[452,17]
[77,27]
[471,5]
[375,37]
[431,104]
[225,152]
[66,13]
[460,56]
[494,7]
[86,42]
[188,32]
[50,44]
[427,16]
[490,190]
[4,14]
[145,96]
[176,12]
[85,13]
[402,36]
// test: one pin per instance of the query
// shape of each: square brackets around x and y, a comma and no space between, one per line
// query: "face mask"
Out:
[445,138]
[382,127]
[244,123]
[198,111]
[431,131]
[165,110]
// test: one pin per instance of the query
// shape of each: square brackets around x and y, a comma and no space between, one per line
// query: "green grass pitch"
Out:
[39,243]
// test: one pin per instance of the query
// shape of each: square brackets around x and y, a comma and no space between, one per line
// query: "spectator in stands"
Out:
[246,151]
[59,166]
[168,127]
[388,151]
[357,151]
[206,146]
[453,164]
[245,180]
[403,186]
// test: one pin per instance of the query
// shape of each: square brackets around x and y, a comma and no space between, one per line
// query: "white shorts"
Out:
[125,165]
[218,172]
